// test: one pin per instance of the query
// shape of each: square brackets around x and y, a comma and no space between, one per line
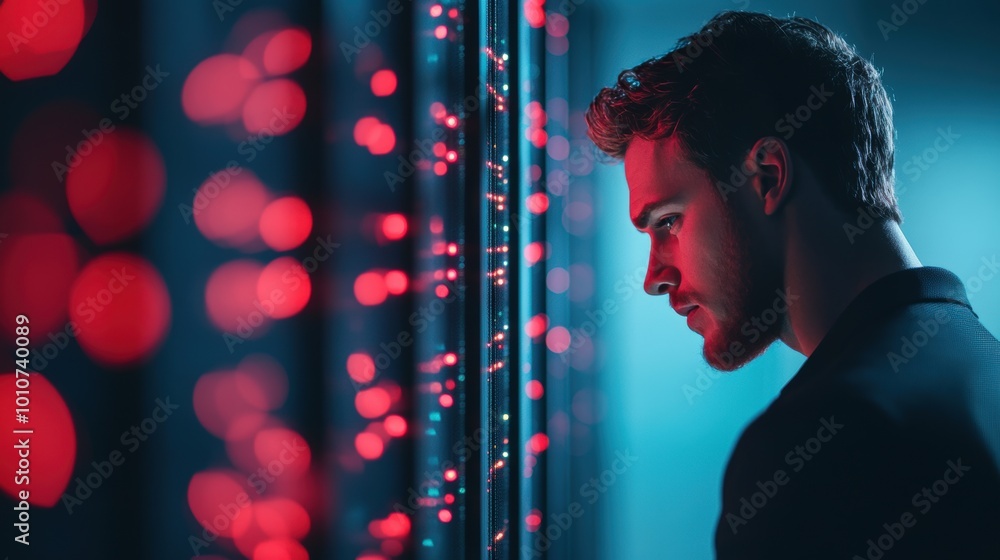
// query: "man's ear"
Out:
[771,180]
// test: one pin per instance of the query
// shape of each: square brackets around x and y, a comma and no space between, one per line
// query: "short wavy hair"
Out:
[745,76]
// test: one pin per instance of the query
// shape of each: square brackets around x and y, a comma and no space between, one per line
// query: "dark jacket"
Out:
[885,444]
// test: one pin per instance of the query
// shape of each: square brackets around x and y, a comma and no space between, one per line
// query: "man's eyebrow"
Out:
[642,220]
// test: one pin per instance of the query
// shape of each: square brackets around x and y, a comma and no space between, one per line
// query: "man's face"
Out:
[702,253]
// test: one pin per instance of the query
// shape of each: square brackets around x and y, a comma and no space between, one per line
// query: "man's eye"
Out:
[665,222]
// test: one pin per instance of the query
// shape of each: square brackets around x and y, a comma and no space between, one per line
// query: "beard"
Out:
[748,292]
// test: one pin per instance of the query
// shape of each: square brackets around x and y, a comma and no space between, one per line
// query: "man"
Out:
[759,161]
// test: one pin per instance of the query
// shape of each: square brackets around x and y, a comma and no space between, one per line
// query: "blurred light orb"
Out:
[274,108]
[286,223]
[216,88]
[228,206]
[287,51]
[230,297]
[121,307]
[53,443]
[117,186]
[283,288]
[40,38]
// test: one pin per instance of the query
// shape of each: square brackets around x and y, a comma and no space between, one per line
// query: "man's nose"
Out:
[660,276]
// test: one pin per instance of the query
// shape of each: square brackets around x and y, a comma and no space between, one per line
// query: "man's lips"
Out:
[684,310]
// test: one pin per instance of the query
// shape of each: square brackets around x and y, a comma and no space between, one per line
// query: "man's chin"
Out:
[729,354]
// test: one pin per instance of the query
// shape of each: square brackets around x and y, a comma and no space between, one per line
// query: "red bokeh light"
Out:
[38,42]
[117,187]
[382,140]
[287,51]
[216,88]
[372,403]
[53,443]
[446,400]
[537,325]
[274,108]
[538,203]
[361,367]
[534,389]
[394,226]
[538,443]
[216,499]
[121,307]
[369,445]
[227,208]
[283,549]
[230,295]
[384,83]
[36,274]
[286,223]
[370,289]
[440,32]
[558,339]
[283,288]
[286,448]
[444,515]
[396,282]
[451,475]
[395,425]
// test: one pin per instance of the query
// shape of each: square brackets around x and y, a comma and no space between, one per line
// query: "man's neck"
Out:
[827,270]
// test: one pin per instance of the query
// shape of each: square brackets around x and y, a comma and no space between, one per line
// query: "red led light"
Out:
[286,223]
[538,443]
[444,515]
[558,339]
[440,168]
[395,425]
[287,51]
[361,367]
[372,403]
[215,89]
[451,156]
[538,203]
[450,359]
[534,389]
[283,288]
[370,289]
[122,309]
[274,108]
[446,400]
[436,10]
[451,475]
[53,443]
[396,282]
[384,83]
[441,32]
[452,249]
[441,291]
[369,445]
[451,121]
[38,42]
[394,226]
